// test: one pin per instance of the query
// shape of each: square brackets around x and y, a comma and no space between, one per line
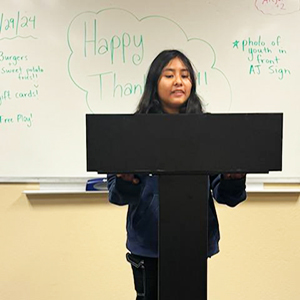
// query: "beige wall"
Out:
[72,247]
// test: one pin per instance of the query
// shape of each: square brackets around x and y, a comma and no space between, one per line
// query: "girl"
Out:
[170,88]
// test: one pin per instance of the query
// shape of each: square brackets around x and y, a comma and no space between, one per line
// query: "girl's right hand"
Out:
[129,177]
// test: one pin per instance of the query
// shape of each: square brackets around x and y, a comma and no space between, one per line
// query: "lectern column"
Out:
[183,237]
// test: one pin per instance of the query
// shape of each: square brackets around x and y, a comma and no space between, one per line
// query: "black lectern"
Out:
[183,150]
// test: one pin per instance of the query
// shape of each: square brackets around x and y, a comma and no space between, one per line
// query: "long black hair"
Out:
[150,102]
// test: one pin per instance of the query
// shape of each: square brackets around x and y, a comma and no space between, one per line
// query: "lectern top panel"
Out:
[208,143]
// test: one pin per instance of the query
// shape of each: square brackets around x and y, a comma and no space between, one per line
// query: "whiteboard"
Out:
[60,60]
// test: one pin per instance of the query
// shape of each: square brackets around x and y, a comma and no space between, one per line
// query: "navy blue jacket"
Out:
[142,217]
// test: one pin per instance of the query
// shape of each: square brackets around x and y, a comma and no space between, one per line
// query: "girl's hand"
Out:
[234,176]
[129,177]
